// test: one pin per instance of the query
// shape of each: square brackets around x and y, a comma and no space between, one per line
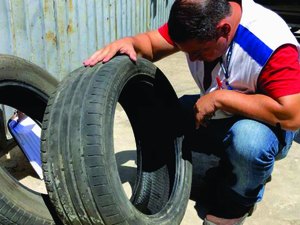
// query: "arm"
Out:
[285,110]
[150,45]
[280,102]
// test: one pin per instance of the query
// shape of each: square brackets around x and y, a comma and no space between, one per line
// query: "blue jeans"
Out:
[248,150]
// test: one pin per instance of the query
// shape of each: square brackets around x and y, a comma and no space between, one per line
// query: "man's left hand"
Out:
[204,109]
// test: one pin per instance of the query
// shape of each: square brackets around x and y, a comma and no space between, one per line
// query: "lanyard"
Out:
[225,67]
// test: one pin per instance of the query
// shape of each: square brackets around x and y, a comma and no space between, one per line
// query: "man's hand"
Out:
[122,46]
[204,109]
[150,45]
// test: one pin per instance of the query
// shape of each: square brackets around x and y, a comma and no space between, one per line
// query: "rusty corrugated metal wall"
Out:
[58,35]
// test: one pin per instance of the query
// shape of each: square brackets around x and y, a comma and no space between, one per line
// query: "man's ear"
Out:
[224,29]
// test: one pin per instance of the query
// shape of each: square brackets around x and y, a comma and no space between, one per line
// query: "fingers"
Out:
[202,117]
[107,53]
[130,52]
[203,121]
[99,56]
[133,56]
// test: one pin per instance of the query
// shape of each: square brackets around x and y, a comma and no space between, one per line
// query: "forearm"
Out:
[260,107]
[152,46]
[142,45]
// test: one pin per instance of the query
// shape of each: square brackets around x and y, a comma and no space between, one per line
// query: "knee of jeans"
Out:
[252,143]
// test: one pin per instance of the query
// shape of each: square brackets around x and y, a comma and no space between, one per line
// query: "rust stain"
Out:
[71,5]
[51,37]
[70,28]
[46,7]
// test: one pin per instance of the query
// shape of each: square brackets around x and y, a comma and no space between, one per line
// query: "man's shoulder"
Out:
[267,26]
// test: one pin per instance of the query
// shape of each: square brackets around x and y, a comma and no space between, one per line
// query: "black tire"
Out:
[77,147]
[26,87]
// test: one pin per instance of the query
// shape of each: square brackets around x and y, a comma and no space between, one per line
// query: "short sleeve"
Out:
[281,75]
[164,32]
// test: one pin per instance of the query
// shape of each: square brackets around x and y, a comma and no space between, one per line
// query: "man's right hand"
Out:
[122,46]
[150,45]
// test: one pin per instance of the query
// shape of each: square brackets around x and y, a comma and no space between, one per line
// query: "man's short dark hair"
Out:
[196,19]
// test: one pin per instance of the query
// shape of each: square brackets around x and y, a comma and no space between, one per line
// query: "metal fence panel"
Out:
[58,35]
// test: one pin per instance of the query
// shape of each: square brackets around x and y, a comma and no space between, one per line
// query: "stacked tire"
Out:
[26,87]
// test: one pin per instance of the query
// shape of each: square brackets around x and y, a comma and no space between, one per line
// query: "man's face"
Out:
[207,51]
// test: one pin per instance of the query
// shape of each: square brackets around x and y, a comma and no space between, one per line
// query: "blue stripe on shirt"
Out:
[257,49]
